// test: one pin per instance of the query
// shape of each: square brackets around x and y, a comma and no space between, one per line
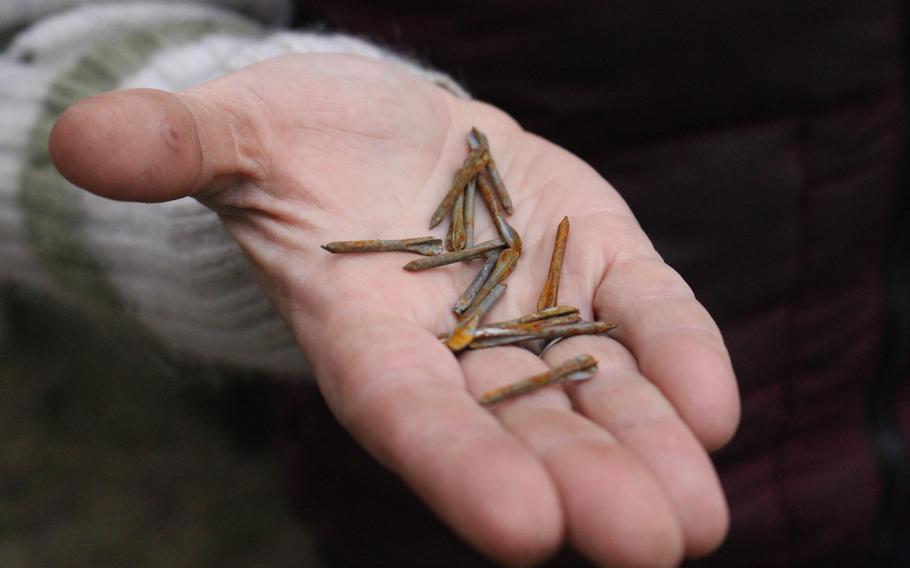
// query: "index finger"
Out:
[675,341]
[402,395]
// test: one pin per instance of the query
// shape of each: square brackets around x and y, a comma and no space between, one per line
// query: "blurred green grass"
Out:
[111,456]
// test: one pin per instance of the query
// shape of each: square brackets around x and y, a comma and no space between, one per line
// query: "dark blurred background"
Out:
[112,456]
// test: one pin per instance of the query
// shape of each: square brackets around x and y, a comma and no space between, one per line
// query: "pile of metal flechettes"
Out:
[550,322]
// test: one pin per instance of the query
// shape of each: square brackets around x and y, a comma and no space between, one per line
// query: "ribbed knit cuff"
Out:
[167,271]
[16,13]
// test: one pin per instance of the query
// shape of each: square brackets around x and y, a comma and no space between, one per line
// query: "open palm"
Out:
[305,149]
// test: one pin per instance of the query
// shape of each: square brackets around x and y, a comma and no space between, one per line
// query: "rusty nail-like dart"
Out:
[488,302]
[534,326]
[498,184]
[526,324]
[458,232]
[499,341]
[506,232]
[550,292]
[470,194]
[467,297]
[476,162]
[554,312]
[474,139]
[577,368]
[506,262]
[507,336]
[454,256]
[500,188]
[463,334]
[548,296]
[530,329]
[448,241]
[427,246]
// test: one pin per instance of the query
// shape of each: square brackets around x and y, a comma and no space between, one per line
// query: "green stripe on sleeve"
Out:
[54,211]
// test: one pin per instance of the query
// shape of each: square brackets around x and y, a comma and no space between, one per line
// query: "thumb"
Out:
[146,145]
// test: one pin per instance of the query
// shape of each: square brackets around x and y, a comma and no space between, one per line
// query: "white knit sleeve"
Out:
[168,271]
[16,13]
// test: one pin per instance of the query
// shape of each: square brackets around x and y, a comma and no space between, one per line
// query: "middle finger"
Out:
[635,412]
[615,511]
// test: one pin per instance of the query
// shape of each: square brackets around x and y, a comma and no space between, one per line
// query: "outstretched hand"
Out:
[305,149]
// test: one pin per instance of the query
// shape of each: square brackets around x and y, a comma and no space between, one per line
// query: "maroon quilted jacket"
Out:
[761,145]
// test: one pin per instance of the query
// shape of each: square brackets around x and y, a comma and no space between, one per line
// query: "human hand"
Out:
[301,150]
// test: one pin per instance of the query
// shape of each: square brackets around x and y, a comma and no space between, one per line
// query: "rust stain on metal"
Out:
[554,312]
[535,326]
[454,256]
[448,240]
[493,170]
[508,336]
[506,262]
[488,302]
[577,368]
[458,232]
[467,297]
[427,246]
[550,292]
[463,334]
[530,329]
[475,163]
[506,232]
[470,194]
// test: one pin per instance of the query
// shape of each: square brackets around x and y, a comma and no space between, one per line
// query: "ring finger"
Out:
[615,511]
